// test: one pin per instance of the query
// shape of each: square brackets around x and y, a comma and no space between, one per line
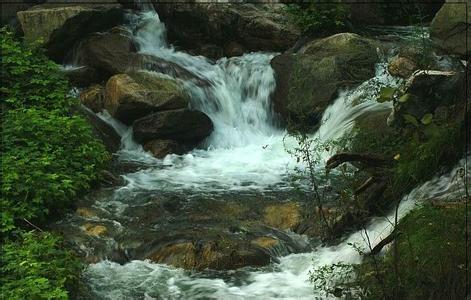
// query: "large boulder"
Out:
[450,29]
[110,52]
[114,52]
[131,96]
[307,81]
[182,125]
[255,27]
[60,26]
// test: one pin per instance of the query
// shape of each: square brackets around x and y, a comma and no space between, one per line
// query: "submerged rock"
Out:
[137,94]
[307,81]
[161,148]
[184,126]
[450,29]
[60,26]
[282,216]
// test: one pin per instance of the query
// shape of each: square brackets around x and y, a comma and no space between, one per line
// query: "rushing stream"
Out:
[245,153]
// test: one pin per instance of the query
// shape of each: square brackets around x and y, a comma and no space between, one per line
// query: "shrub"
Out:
[430,261]
[29,78]
[319,17]
[35,266]
[47,160]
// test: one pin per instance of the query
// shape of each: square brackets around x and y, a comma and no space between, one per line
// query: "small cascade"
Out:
[246,151]
[288,279]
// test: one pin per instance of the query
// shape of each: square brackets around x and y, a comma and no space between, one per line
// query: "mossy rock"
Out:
[131,96]
[308,81]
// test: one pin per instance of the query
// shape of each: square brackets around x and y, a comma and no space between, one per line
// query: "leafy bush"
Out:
[49,156]
[47,160]
[35,266]
[319,17]
[29,78]
[430,262]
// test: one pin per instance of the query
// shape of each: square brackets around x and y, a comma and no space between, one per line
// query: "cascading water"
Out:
[246,152]
[289,279]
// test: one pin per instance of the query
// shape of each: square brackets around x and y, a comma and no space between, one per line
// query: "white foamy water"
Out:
[246,151]
[288,279]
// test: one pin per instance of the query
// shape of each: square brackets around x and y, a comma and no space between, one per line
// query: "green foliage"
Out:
[319,17]
[47,159]
[49,156]
[35,266]
[29,78]
[424,151]
[430,262]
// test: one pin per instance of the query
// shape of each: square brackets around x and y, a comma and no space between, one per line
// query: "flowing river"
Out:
[246,154]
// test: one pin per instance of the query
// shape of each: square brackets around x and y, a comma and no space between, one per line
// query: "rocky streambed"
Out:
[202,198]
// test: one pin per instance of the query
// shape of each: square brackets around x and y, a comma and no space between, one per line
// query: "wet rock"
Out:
[210,51]
[402,67]
[110,52]
[161,148]
[60,26]
[102,130]
[110,179]
[282,216]
[83,76]
[184,126]
[95,230]
[233,49]
[137,94]
[202,255]
[255,27]
[307,81]
[93,98]
[265,242]
[450,29]
[85,212]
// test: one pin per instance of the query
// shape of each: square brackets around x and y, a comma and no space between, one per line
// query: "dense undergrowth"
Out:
[427,257]
[49,157]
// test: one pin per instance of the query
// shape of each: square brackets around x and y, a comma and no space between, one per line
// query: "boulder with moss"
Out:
[131,96]
[60,26]
[450,29]
[309,80]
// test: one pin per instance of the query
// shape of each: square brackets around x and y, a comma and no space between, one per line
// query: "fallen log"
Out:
[369,160]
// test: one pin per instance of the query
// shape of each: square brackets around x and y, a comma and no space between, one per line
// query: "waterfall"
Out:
[246,151]
[289,279]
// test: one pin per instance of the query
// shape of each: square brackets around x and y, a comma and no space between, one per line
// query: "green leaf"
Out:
[386,94]
[411,120]
[404,98]
[427,119]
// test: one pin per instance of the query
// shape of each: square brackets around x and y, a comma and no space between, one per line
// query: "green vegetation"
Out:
[49,157]
[430,261]
[36,266]
[319,17]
